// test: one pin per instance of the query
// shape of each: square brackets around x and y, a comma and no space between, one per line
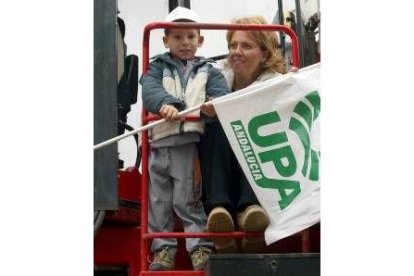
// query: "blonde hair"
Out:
[267,41]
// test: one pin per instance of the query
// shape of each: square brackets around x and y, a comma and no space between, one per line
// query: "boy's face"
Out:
[183,43]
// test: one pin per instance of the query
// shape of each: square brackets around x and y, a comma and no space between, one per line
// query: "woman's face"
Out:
[245,55]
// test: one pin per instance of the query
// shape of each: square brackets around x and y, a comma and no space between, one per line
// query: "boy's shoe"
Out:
[199,257]
[163,260]
[220,220]
[253,219]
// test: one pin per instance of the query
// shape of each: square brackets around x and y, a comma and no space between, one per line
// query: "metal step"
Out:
[297,264]
[172,273]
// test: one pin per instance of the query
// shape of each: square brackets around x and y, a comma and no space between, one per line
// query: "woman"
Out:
[227,196]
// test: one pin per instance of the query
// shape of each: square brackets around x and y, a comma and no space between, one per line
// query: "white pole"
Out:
[151,125]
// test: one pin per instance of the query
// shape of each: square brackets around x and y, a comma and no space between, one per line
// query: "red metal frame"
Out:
[118,245]
[118,241]
[145,236]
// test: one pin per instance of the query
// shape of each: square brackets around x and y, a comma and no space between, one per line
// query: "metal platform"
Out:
[296,264]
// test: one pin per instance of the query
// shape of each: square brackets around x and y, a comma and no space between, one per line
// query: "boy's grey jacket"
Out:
[166,84]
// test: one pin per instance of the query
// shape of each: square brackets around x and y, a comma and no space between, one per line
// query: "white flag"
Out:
[273,128]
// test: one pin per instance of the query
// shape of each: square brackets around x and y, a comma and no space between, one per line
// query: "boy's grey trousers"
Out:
[171,187]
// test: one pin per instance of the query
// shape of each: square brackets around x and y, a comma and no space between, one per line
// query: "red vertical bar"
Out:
[305,241]
[295,47]
[144,162]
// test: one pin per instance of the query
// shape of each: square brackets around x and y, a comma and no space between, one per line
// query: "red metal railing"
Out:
[145,236]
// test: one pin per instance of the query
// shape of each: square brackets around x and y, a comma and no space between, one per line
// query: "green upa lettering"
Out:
[268,140]
[277,156]
[282,186]
[282,158]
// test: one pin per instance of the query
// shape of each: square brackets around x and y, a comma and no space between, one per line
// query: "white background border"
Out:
[46,197]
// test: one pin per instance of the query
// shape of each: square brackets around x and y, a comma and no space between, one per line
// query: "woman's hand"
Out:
[208,109]
[169,112]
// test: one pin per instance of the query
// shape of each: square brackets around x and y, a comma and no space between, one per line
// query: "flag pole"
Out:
[151,125]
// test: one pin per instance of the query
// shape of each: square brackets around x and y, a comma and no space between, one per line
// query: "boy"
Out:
[177,80]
